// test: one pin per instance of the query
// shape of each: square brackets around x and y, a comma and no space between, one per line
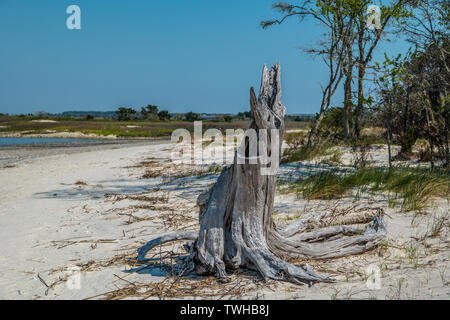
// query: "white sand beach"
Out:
[90,211]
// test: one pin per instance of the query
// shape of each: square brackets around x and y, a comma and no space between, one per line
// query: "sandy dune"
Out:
[90,211]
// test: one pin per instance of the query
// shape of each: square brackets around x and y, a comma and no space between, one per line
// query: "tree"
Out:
[335,17]
[348,66]
[149,112]
[152,109]
[244,115]
[164,115]
[413,93]
[125,114]
[349,42]
[429,68]
[392,95]
[236,225]
[367,40]
[332,124]
[430,95]
[227,118]
[191,116]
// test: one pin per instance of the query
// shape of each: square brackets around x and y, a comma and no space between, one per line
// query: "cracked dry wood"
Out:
[236,225]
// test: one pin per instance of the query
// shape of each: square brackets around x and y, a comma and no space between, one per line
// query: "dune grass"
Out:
[302,153]
[412,188]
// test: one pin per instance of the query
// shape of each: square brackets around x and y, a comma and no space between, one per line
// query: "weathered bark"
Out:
[236,225]
[347,106]
[447,149]
[445,108]
[348,91]
[314,128]
[388,137]
[360,105]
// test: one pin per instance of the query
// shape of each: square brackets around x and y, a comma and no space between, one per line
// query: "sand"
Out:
[44,121]
[15,155]
[64,212]
[54,134]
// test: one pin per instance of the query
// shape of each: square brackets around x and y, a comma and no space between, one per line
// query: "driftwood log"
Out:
[236,225]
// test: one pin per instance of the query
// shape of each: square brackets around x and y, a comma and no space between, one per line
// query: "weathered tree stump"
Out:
[236,225]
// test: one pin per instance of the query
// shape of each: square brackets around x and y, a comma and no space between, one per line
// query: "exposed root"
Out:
[176,236]
[334,218]
[331,242]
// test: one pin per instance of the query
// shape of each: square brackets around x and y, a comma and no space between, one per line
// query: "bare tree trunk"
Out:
[389,142]
[447,151]
[445,108]
[360,105]
[430,140]
[236,225]
[406,111]
[430,123]
[347,106]
[348,91]
[314,128]
[361,72]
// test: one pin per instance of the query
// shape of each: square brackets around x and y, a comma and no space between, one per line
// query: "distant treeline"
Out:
[152,112]
[95,114]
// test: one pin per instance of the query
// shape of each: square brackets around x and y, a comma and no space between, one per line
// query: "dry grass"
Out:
[156,208]
[59,244]
[168,172]
[295,139]
[373,131]
[175,285]
[177,220]
[120,197]
[181,287]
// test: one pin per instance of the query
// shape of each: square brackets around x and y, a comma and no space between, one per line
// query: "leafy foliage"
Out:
[125,114]
[191,116]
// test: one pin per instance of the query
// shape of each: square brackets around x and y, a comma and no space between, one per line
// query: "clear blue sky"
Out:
[181,55]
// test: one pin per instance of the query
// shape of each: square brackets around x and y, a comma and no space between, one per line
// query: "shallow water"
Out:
[5,142]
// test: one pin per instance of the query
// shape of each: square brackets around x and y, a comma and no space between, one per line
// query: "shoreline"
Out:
[14,155]
[75,135]
[81,135]
[72,135]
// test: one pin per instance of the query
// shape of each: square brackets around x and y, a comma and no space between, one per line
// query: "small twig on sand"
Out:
[45,284]
[124,280]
